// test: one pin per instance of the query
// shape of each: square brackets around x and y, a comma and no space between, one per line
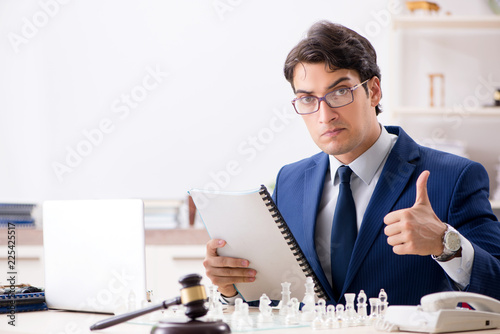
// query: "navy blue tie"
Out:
[344,231]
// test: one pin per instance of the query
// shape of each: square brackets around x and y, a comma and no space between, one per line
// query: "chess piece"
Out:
[309,301]
[350,313]
[285,298]
[362,312]
[266,312]
[318,322]
[339,313]
[214,305]
[383,302]
[331,319]
[292,317]
[374,310]
[244,322]
[238,311]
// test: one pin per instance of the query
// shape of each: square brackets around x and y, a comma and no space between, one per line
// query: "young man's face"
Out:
[345,132]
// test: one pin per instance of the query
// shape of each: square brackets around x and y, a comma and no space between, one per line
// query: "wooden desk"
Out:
[62,322]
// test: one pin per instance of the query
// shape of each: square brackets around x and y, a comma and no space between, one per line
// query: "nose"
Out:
[326,113]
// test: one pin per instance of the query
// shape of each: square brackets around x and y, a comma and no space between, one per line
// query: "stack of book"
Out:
[17,213]
[22,302]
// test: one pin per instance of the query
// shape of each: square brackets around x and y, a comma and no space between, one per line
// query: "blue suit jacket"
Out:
[458,190]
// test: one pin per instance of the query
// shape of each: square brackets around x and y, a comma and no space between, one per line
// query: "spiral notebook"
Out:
[254,230]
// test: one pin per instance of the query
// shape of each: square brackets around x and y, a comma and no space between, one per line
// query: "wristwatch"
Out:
[452,244]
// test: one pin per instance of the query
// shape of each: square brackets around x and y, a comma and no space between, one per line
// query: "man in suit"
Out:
[406,218]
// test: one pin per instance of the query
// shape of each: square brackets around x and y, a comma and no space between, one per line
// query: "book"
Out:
[22,302]
[17,213]
[254,229]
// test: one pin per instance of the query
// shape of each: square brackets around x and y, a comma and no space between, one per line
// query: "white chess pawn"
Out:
[362,312]
[383,302]
[339,313]
[331,319]
[322,305]
[238,309]
[318,322]
[245,322]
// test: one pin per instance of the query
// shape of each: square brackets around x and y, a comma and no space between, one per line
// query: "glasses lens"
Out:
[306,105]
[339,97]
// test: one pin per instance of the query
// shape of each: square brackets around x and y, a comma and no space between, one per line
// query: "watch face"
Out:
[452,241]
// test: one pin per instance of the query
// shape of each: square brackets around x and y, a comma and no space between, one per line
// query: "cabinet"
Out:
[462,53]
[166,264]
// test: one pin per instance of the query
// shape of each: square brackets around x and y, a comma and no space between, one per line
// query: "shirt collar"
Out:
[367,164]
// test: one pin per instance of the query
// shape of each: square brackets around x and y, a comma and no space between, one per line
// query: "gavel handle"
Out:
[127,316]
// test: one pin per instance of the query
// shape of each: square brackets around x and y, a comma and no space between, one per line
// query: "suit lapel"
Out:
[314,179]
[397,171]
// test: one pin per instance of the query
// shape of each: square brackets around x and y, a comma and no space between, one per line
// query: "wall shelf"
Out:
[450,22]
[461,47]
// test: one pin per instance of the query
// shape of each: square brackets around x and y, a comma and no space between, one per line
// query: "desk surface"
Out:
[62,322]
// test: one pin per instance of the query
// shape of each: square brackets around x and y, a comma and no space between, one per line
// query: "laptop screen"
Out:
[94,254]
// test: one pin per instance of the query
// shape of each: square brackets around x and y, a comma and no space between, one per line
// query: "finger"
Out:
[400,249]
[231,274]
[393,217]
[212,246]
[226,280]
[397,239]
[422,195]
[393,229]
[227,262]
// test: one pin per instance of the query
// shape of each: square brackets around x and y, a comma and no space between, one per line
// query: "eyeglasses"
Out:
[335,99]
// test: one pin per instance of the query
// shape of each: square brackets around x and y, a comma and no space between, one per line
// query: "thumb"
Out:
[422,196]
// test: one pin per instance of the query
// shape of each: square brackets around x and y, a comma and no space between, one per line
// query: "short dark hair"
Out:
[337,47]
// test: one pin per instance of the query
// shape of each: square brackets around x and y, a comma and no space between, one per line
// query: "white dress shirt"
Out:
[366,173]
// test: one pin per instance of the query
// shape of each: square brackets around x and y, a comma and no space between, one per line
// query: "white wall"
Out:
[68,66]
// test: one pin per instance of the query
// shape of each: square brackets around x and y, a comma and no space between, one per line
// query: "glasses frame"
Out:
[319,99]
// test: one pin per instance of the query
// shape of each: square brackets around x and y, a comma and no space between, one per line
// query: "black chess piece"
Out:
[193,297]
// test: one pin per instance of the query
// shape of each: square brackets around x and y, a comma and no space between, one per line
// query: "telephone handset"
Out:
[438,313]
[449,300]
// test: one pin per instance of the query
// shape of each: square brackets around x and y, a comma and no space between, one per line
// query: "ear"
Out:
[375,91]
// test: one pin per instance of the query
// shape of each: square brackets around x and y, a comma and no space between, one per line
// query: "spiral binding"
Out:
[291,242]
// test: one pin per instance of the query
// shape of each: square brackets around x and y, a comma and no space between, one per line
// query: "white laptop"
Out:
[94,254]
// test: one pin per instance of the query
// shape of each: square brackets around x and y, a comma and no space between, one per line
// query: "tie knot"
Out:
[345,174]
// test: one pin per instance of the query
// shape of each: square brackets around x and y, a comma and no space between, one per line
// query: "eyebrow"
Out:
[329,87]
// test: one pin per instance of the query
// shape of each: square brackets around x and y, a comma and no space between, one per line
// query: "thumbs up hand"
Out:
[416,230]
